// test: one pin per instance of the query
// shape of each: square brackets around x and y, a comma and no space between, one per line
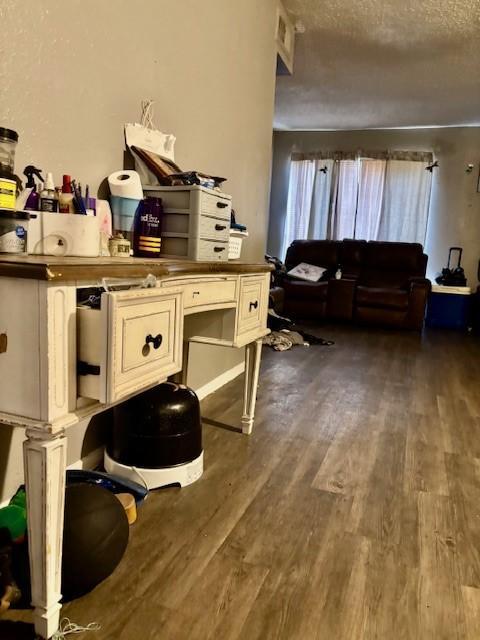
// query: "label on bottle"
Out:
[49,204]
[8,193]
[13,241]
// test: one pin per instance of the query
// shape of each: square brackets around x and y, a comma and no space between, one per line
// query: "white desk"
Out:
[42,332]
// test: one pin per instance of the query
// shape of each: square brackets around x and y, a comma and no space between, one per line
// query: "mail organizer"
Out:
[196,222]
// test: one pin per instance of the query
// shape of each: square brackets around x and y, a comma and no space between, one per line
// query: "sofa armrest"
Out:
[276,299]
[419,281]
[419,291]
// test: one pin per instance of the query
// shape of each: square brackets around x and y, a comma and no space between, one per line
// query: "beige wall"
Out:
[455,204]
[74,72]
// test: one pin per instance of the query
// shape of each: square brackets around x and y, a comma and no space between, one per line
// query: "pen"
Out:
[78,199]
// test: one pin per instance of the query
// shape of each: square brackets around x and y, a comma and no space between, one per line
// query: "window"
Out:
[375,196]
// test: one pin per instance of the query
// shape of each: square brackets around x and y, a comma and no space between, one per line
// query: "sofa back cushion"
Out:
[391,264]
[352,256]
[322,253]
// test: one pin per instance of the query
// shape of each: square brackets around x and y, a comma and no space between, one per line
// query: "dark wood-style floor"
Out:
[352,512]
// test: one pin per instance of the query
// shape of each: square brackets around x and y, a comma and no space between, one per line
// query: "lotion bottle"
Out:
[65,198]
[48,197]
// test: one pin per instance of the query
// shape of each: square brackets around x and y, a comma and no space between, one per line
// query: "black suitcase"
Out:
[453,276]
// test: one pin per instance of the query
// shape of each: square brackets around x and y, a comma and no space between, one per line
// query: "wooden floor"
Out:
[352,512]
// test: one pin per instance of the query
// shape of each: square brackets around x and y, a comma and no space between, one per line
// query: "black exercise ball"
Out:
[158,428]
[95,537]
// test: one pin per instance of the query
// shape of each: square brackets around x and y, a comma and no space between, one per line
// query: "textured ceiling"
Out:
[382,63]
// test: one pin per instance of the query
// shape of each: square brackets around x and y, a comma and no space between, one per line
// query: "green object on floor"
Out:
[14,516]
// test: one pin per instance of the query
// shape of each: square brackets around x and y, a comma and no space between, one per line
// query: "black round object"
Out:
[15,215]
[9,134]
[95,536]
[158,428]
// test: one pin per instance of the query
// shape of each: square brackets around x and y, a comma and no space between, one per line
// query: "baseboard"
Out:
[95,457]
[218,382]
[90,461]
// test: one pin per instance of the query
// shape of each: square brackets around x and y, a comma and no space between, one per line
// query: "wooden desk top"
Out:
[51,268]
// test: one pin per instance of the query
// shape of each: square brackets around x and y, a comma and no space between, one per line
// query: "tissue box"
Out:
[63,234]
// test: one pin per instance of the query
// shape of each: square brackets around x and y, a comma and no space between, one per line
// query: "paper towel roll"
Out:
[125,184]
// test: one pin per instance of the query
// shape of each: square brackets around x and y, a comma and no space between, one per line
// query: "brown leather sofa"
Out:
[382,282]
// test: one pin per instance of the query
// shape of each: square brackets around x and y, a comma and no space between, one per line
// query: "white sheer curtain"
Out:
[370,198]
[320,209]
[308,201]
[299,202]
[406,202]
[344,202]
[366,198]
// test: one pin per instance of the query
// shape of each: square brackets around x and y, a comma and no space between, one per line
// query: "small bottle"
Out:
[338,273]
[48,197]
[65,198]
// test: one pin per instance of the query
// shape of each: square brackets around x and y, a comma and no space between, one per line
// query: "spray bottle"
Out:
[33,200]
[48,197]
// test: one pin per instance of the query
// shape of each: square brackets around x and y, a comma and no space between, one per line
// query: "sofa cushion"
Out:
[404,257]
[314,291]
[322,253]
[380,297]
[308,272]
[384,279]
[352,256]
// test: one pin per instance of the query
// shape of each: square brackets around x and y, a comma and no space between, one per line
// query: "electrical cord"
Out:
[143,481]
[68,628]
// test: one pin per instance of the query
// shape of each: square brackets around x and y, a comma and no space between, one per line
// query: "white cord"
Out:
[67,628]
[143,480]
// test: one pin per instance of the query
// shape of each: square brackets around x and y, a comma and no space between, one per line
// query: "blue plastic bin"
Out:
[449,307]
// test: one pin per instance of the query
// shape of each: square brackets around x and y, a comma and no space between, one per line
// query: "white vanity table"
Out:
[137,338]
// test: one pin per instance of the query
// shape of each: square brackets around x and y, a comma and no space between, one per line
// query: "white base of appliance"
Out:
[182,474]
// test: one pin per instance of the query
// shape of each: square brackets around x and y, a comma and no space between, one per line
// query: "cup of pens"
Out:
[82,204]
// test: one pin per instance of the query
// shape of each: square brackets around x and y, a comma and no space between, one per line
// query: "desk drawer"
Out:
[199,294]
[132,342]
[252,309]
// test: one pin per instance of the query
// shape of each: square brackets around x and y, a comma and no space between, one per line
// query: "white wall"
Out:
[72,73]
[455,204]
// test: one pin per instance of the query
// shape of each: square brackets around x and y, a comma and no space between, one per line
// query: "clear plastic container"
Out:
[13,231]
[8,145]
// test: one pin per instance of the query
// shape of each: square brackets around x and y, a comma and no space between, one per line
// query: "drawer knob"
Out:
[218,249]
[222,205]
[220,227]
[253,305]
[154,341]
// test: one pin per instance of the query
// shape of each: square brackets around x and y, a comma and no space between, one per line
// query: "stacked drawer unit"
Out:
[196,222]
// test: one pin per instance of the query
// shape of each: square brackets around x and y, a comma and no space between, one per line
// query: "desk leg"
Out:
[253,352]
[45,464]
[185,355]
